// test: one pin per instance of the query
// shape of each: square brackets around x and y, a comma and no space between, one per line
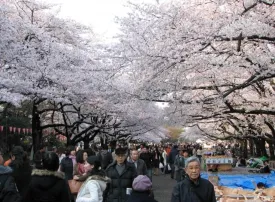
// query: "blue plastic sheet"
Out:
[245,181]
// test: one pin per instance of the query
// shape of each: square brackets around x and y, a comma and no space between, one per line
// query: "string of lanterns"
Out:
[14,130]
[17,130]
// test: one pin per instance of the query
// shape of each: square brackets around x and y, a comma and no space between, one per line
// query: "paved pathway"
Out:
[163,186]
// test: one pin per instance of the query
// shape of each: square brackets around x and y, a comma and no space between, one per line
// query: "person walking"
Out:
[138,163]
[81,159]
[8,189]
[38,157]
[156,160]
[47,184]
[193,187]
[179,163]
[21,169]
[148,159]
[122,174]
[66,165]
[93,188]
[171,159]
[105,157]
[142,190]
[199,153]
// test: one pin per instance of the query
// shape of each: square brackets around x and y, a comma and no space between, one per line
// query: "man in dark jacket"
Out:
[8,189]
[105,157]
[180,164]
[148,159]
[193,188]
[122,175]
[171,159]
[138,163]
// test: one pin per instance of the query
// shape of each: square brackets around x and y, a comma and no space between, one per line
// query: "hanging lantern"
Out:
[1,128]
[10,128]
[24,130]
[14,129]
[18,130]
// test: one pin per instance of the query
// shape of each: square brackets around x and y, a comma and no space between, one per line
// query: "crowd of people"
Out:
[102,175]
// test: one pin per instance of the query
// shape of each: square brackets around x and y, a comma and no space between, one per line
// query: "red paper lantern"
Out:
[10,128]
[1,128]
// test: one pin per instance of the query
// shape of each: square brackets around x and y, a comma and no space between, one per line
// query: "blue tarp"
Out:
[245,181]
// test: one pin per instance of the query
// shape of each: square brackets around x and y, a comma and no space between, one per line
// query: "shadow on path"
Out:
[163,186]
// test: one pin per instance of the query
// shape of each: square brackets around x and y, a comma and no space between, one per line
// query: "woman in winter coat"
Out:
[93,188]
[21,169]
[142,190]
[47,184]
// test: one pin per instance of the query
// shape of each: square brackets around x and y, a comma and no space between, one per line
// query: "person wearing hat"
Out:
[96,183]
[21,169]
[142,190]
[180,164]
[122,174]
[193,187]
[47,184]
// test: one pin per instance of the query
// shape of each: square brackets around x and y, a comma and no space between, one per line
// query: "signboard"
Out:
[219,160]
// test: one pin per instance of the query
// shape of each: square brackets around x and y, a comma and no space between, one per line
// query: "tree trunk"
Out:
[103,142]
[69,142]
[245,148]
[86,144]
[258,149]
[251,147]
[36,130]
[262,147]
[271,150]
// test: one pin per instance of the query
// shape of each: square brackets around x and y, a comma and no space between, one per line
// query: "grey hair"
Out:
[192,159]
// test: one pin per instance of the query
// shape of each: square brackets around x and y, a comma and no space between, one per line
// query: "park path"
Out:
[163,187]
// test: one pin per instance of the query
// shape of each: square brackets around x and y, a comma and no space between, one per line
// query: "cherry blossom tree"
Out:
[211,61]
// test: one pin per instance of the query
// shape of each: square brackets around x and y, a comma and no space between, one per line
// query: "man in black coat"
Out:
[148,159]
[193,188]
[122,175]
[8,189]
[138,163]
[171,159]
[105,157]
